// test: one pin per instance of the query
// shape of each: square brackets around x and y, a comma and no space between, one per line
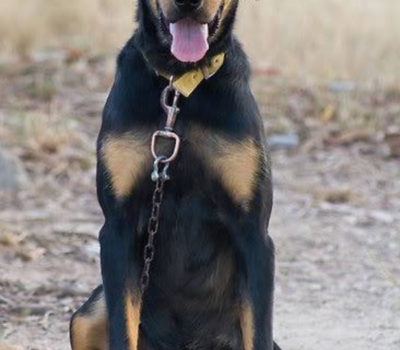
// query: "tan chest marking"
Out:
[126,158]
[235,163]
[238,165]
[247,326]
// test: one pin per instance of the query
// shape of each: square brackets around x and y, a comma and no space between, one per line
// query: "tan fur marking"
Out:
[90,332]
[153,6]
[132,314]
[238,167]
[211,7]
[126,157]
[247,326]
[167,6]
[227,6]
[236,163]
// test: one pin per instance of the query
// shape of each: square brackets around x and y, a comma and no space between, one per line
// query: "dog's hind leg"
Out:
[89,325]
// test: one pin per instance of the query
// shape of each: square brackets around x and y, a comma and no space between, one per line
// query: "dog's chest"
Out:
[235,164]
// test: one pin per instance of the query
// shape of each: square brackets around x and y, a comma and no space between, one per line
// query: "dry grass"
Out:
[308,39]
[47,134]
[100,25]
[325,39]
[48,142]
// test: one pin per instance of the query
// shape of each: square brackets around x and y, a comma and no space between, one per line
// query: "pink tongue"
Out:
[189,40]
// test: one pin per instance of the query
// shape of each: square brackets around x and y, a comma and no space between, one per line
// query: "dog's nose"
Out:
[188,5]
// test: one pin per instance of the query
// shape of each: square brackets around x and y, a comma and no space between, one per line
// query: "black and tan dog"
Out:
[212,278]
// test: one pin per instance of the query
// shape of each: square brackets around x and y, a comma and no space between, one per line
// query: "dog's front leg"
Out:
[256,257]
[121,284]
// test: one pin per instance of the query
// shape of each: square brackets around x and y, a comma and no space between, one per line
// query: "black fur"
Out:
[200,226]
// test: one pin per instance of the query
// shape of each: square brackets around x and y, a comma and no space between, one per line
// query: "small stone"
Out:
[289,141]
[342,86]
[382,217]
[12,174]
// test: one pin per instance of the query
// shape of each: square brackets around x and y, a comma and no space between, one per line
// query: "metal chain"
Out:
[152,229]
[160,176]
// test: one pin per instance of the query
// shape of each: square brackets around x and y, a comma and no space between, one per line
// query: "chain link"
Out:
[152,230]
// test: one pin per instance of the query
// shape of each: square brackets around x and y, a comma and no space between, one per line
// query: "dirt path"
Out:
[338,265]
[336,226]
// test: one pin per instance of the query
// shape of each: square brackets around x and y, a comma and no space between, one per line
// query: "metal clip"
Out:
[171,110]
[158,174]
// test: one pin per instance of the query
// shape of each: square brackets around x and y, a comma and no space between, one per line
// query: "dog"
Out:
[185,188]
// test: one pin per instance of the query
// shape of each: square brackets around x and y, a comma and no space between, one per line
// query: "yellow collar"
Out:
[188,82]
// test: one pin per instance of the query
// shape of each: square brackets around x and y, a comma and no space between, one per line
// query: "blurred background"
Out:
[326,74]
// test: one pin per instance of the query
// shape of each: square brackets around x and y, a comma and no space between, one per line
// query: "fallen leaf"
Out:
[30,310]
[328,113]
[336,196]
[10,239]
[349,138]
[392,139]
[30,255]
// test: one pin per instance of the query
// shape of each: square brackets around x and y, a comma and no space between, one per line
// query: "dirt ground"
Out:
[336,221]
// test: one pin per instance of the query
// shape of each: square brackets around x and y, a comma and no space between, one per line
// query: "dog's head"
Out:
[189,28]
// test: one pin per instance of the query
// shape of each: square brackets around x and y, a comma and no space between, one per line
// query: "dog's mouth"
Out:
[189,38]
